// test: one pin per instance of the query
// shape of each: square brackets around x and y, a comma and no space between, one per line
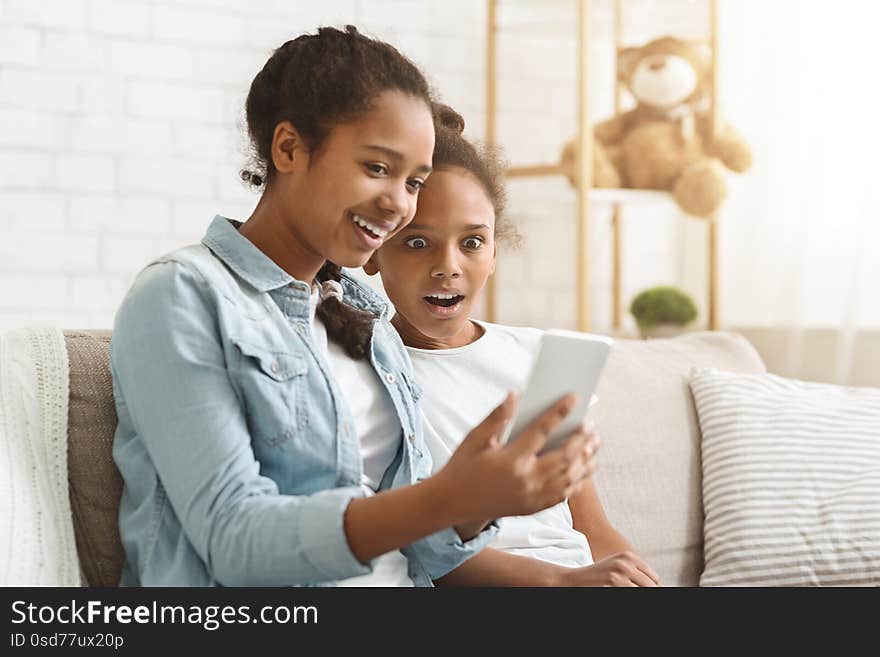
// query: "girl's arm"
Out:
[373,524]
[589,518]
[481,480]
[496,568]
[491,567]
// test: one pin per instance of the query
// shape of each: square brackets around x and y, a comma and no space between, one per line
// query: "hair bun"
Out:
[448,118]
[347,32]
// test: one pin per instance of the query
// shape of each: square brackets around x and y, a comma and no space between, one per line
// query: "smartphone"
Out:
[567,361]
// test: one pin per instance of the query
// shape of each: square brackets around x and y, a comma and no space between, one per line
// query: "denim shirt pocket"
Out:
[273,384]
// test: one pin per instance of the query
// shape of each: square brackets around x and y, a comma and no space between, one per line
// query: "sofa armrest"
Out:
[94,482]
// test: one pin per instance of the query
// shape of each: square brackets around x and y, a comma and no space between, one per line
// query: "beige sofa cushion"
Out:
[649,475]
[95,484]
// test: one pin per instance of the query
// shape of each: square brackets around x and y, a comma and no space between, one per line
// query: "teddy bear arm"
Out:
[605,173]
[611,130]
[731,148]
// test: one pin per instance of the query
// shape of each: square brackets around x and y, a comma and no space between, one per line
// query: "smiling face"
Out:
[435,269]
[341,201]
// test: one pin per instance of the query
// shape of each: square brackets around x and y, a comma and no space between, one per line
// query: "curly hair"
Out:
[483,161]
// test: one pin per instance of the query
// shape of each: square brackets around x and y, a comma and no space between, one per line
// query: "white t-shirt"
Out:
[461,387]
[379,430]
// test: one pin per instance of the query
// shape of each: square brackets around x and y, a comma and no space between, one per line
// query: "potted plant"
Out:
[663,311]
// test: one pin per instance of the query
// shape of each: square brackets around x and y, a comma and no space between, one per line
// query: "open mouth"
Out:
[444,300]
[444,306]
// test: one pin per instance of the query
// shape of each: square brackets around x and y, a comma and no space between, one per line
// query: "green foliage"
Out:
[663,305]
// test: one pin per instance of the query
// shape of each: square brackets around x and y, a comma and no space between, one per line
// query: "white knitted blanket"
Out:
[37,545]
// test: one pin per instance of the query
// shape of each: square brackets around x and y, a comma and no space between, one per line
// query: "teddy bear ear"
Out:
[627,60]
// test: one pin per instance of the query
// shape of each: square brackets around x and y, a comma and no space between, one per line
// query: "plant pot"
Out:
[662,331]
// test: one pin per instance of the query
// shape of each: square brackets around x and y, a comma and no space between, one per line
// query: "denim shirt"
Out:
[237,450]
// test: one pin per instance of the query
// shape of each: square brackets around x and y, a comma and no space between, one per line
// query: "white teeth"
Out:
[443,296]
[366,224]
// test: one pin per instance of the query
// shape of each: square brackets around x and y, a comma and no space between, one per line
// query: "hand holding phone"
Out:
[567,362]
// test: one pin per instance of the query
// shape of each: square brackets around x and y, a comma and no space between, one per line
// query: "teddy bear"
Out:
[664,142]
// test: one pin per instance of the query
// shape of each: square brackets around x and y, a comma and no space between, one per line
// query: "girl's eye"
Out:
[416,243]
[473,243]
[376,168]
[415,183]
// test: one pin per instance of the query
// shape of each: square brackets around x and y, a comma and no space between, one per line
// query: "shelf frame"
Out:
[581,173]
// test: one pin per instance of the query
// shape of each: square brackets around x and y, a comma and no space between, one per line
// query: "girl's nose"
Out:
[395,201]
[448,267]
[445,273]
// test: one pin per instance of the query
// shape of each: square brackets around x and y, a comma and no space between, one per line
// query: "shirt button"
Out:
[274,367]
[411,438]
[390,378]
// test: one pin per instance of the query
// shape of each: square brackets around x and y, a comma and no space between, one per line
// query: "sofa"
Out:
[649,475]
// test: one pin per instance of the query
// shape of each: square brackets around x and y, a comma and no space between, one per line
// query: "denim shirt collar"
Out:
[261,272]
[243,257]
[361,296]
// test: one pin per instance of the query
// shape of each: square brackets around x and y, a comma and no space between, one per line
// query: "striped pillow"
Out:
[791,481]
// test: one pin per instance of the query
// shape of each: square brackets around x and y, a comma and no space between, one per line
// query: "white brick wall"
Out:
[64,14]
[20,46]
[120,138]
[38,90]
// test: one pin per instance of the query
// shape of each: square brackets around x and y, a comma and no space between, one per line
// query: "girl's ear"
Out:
[370,267]
[286,142]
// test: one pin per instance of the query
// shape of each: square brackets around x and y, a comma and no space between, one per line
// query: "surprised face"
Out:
[435,269]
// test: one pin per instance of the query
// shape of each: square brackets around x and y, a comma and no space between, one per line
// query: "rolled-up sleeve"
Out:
[444,551]
[169,368]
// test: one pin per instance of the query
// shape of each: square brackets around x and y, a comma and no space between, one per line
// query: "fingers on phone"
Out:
[539,431]
[566,481]
[493,424]
[504,410]
[558,461]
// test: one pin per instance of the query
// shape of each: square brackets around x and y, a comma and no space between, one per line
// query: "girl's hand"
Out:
[484,479]
[622,569]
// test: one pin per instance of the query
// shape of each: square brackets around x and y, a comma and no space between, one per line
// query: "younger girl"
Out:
[434,271]
[268,429]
